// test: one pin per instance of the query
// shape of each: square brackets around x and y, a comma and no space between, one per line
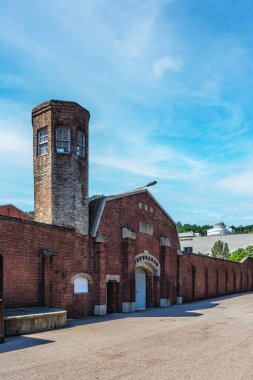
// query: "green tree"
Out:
[240,253]
[202,230]
[220,250]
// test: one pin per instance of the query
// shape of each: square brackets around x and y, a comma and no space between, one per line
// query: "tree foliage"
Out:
[243,229]
[203,229]
[193,227]
[220,250]
[240,253]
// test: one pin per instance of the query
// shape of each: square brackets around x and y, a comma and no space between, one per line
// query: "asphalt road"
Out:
[210,339]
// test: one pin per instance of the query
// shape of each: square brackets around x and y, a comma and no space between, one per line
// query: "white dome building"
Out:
[220,229]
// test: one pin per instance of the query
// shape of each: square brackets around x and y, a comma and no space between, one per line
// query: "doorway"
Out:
[140,288]
[112,297]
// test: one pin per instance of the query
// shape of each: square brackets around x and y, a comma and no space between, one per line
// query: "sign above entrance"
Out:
[146,260]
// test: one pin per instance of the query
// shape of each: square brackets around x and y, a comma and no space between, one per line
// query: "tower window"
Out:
[63,140]
[42,142]
[80,144]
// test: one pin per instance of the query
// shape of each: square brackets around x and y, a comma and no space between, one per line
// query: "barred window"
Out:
[63,140]
[42,142]
[80,144]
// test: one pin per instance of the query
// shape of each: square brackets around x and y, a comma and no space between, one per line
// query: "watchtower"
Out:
[60,143]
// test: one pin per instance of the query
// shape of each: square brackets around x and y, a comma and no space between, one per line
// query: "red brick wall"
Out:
[125,212]
[32,279]
[1,302]
[10,210]
[20,244]
[213,277]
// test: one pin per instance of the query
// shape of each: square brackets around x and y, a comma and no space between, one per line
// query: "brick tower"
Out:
[60,151]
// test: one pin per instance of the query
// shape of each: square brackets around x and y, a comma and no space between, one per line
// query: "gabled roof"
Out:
[97,207]
[13,211]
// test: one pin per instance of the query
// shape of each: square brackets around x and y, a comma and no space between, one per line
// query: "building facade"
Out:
[220,229]
[191,242]
[114,254]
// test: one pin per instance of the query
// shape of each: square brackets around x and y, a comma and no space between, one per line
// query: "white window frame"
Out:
[81,285]
[42,142]
[80,151]
[81,282]
[62,140]
[146,228]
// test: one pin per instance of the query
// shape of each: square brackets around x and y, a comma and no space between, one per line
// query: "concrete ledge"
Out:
[100,310]
[29,320]
[128,307]
[164,302]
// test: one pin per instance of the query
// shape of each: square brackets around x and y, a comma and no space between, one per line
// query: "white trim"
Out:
[128,307]
[100,309]
[146,259]
[164,302]
[112,277]
[82,275]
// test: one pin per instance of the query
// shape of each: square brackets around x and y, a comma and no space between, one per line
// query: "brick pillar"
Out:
[100,276]
[41,278]
[157,292]
[1,302]
[164,282]
[179,277]
[128,275]
[163,273]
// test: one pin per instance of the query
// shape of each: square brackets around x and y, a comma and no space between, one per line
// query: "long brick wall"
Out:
[205,277]
[34,279]
[40,261]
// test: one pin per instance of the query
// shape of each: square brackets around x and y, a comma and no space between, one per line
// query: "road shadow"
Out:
[186,310]
[20,342]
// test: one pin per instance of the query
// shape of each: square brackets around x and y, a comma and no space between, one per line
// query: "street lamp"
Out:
[153,183]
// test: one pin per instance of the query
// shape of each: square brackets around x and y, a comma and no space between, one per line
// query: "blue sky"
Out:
[169,86]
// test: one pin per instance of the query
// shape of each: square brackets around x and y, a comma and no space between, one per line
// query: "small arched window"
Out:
[81,283]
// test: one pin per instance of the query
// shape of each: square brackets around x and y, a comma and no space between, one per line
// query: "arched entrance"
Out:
[140,288]
[147,273]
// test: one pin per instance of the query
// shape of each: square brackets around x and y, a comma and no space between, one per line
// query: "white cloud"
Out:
[15,136]
[166,63]
[239,184]
[135,153]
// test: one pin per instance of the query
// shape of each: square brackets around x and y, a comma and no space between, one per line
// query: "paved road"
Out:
[204,340]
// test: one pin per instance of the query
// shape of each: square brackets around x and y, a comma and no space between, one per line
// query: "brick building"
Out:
[118,253]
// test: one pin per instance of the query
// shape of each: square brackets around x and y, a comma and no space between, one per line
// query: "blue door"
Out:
[140,288]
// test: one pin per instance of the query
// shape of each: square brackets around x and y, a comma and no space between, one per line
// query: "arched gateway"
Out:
[146,268]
